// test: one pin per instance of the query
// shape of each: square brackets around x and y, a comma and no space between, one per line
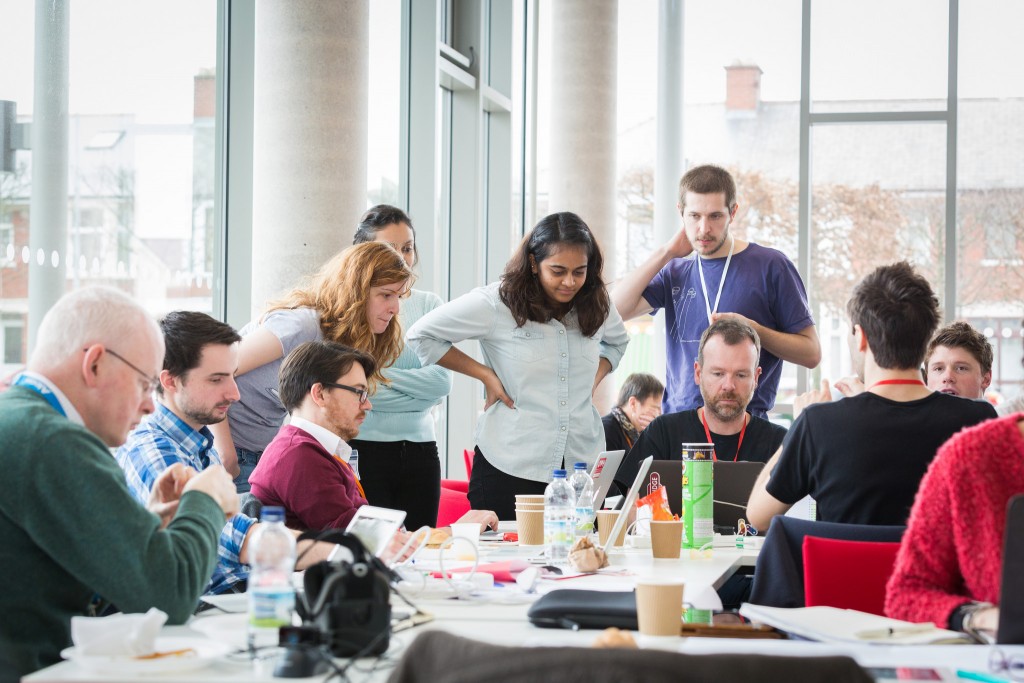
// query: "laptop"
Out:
[733,483]
[603,472]
[628,501]
[375,527]
[1011,596]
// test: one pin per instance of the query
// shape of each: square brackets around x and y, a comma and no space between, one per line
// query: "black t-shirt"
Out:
[666,433]
[862,458]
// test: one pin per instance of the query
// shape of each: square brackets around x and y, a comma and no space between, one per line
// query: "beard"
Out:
[726,413]
[203,416]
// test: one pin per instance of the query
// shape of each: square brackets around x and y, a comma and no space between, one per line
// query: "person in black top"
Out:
[726,371]
[639,403]
[862,458]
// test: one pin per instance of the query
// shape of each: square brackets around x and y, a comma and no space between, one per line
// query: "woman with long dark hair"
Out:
[548,336]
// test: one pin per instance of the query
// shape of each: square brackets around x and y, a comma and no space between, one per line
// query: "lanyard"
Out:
[707,433]
[35,385]
[721,283]
[896,381]
[353,473]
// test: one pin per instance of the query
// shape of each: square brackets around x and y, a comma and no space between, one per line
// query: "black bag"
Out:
[348,602]
[576,609]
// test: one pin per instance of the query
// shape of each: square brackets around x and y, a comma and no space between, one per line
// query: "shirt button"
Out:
[561,332]
[563,379]
[563,355]
[527,334]
[563,403]
[563,429]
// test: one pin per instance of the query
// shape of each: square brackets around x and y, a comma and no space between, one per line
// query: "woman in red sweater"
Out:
[950,561]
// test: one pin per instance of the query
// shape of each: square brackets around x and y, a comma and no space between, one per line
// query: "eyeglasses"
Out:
[1012,664]
[148,383]
[363,394]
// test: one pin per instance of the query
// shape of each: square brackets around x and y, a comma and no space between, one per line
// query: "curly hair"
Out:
[339,292]
[521,291]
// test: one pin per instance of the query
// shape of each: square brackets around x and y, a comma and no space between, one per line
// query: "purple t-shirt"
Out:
[762,285]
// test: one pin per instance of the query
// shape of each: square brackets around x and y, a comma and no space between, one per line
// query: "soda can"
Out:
[698,494]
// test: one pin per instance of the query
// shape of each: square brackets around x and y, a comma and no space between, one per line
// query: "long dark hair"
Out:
[521,290]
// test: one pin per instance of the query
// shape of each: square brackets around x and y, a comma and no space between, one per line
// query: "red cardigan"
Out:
[316,490]
[952,552]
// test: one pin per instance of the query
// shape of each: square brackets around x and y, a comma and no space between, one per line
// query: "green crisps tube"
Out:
[698,494]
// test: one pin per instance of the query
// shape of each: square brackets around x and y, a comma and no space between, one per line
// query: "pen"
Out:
[894,631]
[979,676]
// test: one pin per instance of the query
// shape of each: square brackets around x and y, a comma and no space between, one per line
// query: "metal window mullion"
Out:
[952,106]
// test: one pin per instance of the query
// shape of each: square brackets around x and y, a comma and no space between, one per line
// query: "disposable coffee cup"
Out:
[605,522]
[530,506]
[666,538]
[465,540]
[529,498]
[659,607]
[530,526]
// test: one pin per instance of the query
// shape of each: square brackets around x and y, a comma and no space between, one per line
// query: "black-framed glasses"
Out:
[1011,665]
[149,382]
[363,394]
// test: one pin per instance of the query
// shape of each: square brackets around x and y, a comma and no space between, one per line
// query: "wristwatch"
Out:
[968,613]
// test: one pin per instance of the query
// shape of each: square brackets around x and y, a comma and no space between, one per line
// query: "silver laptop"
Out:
[603,472]
[627,505]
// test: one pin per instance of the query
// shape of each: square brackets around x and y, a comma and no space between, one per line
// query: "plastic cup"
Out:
[464,535]
[530,525]
[659,607]
[605,522]
[666,538]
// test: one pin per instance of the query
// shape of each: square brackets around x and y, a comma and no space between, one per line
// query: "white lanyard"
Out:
[721,283]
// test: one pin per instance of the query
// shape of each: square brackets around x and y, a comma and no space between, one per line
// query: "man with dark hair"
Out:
[305,468]
[959,361]
[639,403]
[726,371]
[196,388]
[763,289]
[861,459]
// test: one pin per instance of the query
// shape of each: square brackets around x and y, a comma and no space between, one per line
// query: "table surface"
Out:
[499,616]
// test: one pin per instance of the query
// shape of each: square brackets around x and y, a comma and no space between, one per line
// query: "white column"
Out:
[584,52]
[309,136]
[49,204]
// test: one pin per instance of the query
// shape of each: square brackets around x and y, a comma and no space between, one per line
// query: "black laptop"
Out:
[733,483]
[1011,597]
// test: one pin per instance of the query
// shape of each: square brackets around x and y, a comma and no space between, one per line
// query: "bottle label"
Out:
[584,521]
[271,607]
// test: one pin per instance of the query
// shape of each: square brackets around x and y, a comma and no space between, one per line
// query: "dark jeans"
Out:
[402,475]
[247,463]
[492,489]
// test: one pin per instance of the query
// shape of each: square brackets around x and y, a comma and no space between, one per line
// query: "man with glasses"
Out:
[72,538]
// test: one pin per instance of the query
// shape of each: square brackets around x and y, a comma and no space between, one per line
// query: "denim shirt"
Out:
[547,369]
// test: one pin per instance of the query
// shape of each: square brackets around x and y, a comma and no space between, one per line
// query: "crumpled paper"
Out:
[584,556]
[118,634]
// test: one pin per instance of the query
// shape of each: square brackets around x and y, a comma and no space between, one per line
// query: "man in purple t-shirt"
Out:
[724,277]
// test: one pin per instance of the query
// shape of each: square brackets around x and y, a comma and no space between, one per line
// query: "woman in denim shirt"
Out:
[548,335]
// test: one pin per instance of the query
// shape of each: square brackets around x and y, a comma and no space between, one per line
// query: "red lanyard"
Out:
[707,433]
[896,381]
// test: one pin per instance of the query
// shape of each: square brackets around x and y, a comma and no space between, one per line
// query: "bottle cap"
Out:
[272,513]
[580,466]
[559,474]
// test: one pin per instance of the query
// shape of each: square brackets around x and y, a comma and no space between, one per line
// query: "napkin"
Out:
[118,634]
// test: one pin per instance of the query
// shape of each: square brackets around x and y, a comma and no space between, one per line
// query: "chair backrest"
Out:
[847,574]
[468,455]
[455,485]
[452,505]
[779,574]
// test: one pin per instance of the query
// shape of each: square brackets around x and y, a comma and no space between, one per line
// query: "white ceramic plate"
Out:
[234,603]
[230,629]
[204,652]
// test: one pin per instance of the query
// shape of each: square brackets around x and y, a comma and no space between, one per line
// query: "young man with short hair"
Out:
[959,361]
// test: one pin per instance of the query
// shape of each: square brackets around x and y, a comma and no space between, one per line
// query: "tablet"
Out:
[375,527]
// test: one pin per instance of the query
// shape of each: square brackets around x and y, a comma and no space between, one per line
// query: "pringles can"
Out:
[698,494]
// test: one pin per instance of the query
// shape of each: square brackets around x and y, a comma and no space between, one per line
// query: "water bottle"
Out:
[583,488]
[271,594]
[353,462]
[559,506]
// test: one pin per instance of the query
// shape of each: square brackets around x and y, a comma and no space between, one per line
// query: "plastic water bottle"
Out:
[583,488]
[271,594]
[559,506]
[353,462]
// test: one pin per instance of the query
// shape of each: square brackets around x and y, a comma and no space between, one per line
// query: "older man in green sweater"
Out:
[71,536]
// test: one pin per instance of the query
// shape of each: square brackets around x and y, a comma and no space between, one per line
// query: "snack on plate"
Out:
[437,537]
[615,638]
[186,652]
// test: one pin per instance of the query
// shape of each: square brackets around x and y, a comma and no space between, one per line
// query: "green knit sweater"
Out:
[69,528]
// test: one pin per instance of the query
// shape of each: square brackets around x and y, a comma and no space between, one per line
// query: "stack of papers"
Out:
[834,625]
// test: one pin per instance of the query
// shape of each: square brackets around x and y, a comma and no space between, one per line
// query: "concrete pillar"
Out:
[584,51]
[49,204]
[309,137]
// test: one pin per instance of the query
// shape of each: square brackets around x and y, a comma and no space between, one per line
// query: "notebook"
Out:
[1011,597]
[733,483]
[603,472]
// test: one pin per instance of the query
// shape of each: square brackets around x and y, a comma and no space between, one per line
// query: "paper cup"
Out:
[530,525]
[530,498]
[530,506]
[605,522]
[465,535]
[659,607]
[666,538]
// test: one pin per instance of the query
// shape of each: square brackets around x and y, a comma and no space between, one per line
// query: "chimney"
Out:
[742,88]
[204,95]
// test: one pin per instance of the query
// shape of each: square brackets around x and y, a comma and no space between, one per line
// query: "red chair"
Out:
[468,455]
[455,485]
[453,504]
[847,574]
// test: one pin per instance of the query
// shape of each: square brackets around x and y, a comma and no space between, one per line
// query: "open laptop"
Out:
[628,501]
[733,483]
[375,527]
[603,472]
[1011,596]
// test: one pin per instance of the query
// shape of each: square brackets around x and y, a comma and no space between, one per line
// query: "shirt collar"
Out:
[65,402]
[191,441]
[333,443]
